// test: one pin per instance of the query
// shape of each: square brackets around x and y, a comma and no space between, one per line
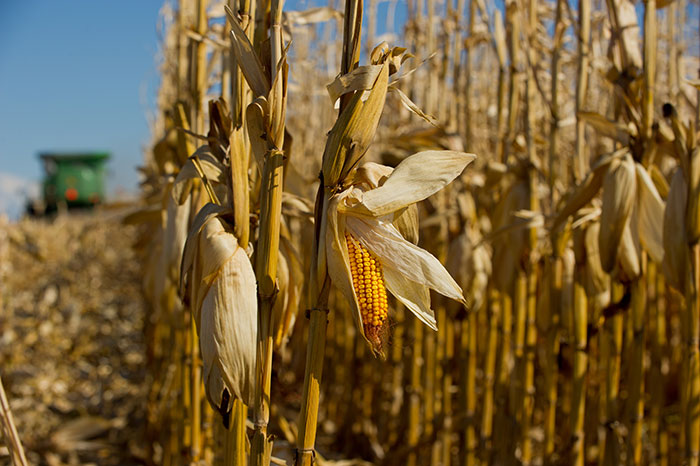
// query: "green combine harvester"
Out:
[72,180]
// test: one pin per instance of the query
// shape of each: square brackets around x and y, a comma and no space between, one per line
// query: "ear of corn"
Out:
[368,283]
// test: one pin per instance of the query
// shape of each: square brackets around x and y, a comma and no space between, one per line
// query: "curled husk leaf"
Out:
[211,168]
[372,175]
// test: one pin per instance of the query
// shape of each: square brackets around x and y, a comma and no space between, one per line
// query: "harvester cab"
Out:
[73,180]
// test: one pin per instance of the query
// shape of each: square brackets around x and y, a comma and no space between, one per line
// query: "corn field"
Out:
[314,173]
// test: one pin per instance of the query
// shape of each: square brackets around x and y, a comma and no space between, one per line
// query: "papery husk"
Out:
[227,332]
[619,187]
[659,181]
[416,178]
[470,265]
[650,211]
[282,296]
[567,283]
[629,255]
[587,189]
[174,237]
[675,239]
[288,317]
[371,175]
[597,281]
[406,221]
[225,308]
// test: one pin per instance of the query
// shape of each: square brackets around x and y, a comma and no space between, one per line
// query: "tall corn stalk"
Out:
[319,290]
[271,183]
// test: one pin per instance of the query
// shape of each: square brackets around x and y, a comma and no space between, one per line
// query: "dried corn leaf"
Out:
[247,59]
[659,181]
[412,107]
[310,16]
[629,254]
[612,129]
[360,79]
[212,169]
[598,282]
[256,118]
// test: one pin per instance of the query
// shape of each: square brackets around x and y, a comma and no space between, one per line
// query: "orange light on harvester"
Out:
[71,194]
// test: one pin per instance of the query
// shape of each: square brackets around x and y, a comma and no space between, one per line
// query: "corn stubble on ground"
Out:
[71,343]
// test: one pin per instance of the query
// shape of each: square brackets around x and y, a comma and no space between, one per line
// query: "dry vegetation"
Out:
[72,351]
[572,333]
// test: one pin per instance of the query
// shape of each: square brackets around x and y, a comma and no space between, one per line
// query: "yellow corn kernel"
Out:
[368,282]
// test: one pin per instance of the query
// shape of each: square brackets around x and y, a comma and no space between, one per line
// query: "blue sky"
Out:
[76,75]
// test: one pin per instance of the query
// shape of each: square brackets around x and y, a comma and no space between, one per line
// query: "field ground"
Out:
[71,340]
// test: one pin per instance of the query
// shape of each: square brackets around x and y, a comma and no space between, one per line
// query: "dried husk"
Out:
[282,297]
[589,187]
[612,129]
[650,210]
[468,260]
[597,281]
[405,220]
[285,324]
[659,181]
[174,237]
[629,255]
[353,131]
[567,289]
[225,307]
[619,187]
[211,167]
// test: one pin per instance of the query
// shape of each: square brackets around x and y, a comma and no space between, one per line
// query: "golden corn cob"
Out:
[368,282]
